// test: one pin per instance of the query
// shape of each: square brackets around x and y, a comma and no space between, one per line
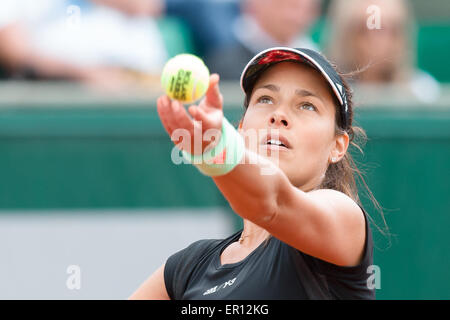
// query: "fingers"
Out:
[180,116]
[200,115]
[213,96]
[193,112]
[163,108]
[197,113]
[173,116]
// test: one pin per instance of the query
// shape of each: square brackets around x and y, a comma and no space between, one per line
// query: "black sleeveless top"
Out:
[273,271]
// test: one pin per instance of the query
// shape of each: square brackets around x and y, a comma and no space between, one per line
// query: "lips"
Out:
[276,140]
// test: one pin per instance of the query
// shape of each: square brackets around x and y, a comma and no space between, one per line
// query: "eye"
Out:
[308,106]
[265,99]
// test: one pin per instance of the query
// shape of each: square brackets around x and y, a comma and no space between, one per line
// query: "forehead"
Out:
[298,75]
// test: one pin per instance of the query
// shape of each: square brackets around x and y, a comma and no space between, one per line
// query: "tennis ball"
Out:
[185,78]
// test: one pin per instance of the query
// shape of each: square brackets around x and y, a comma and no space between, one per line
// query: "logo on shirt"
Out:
[220,287]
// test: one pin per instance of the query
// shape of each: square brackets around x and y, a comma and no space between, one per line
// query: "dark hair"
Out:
[344,175]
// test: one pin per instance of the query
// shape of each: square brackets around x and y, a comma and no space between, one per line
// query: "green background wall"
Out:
[119,157]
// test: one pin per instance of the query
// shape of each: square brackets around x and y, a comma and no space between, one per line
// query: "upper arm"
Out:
[154,288]
[324,223]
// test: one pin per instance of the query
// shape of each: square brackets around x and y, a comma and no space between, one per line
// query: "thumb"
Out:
[213,96]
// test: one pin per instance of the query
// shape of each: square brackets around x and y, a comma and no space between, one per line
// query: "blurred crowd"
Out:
[112,43]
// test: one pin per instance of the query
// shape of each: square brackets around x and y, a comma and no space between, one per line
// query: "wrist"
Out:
[224,156]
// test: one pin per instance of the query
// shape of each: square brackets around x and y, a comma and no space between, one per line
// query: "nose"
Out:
[279,119]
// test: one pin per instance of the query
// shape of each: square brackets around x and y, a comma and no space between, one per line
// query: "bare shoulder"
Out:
[324,223]
[338,202]
[349,221]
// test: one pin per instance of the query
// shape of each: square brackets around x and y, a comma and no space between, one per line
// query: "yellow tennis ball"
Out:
[185,78]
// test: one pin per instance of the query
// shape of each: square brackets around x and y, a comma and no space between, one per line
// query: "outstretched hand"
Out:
[208,114]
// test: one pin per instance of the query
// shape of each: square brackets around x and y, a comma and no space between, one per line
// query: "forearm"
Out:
[13,47]
[54,68]
[252,187]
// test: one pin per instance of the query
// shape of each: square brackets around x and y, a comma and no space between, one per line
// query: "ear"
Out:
[340,147]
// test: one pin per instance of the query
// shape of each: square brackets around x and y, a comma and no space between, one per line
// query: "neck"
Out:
[252,234]
[313,184]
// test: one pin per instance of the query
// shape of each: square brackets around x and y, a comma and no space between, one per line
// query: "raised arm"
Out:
[324,223]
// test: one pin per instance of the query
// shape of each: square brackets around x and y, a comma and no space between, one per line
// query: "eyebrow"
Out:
[306,93]
[271,87]
[299,92]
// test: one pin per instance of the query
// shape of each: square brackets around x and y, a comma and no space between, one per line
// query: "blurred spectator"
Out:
[208,20]
[98,42]
[383,54]
[143,8]
[263,24]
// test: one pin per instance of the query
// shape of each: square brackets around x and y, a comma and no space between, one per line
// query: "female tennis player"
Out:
[305,235]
